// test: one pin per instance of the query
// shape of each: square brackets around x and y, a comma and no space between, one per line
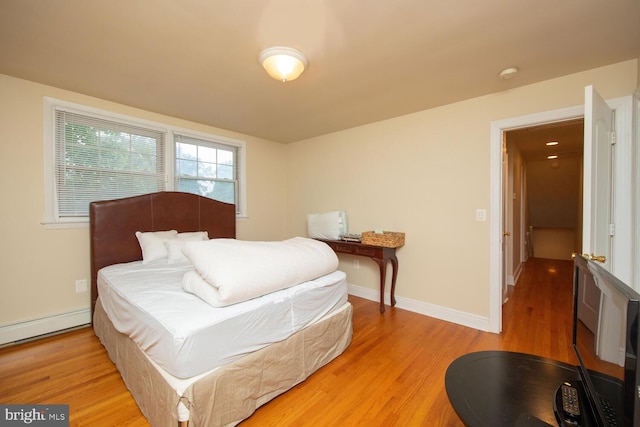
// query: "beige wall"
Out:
[553,193]
[426,174]
[39,266]
[638,71]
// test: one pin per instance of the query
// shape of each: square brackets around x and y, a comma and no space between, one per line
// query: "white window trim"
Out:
[50,218]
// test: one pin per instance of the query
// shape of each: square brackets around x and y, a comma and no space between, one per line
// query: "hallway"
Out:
[537,318]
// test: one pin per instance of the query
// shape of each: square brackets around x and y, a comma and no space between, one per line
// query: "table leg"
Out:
[394,265]
[382,263]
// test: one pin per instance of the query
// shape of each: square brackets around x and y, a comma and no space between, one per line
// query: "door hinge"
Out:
[613,137]
[612,229]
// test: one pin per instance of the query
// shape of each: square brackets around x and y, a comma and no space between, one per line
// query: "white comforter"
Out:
[228,271]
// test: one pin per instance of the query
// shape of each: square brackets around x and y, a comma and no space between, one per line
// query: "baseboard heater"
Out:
[43,326]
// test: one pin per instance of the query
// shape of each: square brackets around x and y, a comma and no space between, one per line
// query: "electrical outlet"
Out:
[356,264]
[81,286]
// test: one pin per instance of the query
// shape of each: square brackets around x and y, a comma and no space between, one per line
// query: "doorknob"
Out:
[506,233]
[600,258]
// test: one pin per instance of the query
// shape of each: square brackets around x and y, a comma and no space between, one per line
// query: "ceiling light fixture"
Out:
[552,143]
[283,63]
[508,73]
[553,156]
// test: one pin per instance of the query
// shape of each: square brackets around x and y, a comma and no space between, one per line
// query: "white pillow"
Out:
[199,235]
[152,244]
[174,246]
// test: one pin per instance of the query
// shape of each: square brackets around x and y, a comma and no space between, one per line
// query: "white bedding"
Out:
[229,271]
[185,335]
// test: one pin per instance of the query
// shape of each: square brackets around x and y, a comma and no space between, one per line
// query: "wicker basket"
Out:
[387,239]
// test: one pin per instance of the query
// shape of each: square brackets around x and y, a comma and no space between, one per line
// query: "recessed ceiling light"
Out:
[508,73]
[552,157]
[552,143]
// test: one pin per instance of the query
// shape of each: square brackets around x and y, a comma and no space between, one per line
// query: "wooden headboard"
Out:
[113,224]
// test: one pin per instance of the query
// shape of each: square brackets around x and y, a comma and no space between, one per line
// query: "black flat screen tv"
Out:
[605,340]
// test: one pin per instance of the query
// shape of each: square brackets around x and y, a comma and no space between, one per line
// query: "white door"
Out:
[597,229]
[507,250]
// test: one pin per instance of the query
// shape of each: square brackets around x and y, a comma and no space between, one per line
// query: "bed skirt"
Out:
[231,393]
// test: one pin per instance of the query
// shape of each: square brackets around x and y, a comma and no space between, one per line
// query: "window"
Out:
[97,155]
[206,168]
[97,159]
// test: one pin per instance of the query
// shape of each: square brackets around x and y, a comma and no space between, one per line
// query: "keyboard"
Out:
[609,413]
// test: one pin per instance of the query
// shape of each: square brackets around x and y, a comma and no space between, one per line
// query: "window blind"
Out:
[102,159]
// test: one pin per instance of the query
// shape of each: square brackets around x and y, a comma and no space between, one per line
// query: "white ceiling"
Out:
[368,59]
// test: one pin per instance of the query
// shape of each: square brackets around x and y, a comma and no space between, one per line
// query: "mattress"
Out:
[185,335]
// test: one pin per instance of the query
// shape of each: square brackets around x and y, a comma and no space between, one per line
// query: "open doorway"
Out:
[502,241]
[544,184]
[604,216]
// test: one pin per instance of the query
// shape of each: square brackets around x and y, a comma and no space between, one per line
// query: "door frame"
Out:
[497,182]
[625,245]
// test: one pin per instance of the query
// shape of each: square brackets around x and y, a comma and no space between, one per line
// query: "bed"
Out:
[193,383]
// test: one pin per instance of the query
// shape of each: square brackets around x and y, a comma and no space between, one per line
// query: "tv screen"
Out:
[605,339]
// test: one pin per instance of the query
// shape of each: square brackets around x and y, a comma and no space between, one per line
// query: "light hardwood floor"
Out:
[391,374]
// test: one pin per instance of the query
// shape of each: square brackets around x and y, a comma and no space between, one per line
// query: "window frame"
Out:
[52,218]
[215,140]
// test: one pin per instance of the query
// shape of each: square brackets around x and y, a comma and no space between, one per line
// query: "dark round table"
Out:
[500,388]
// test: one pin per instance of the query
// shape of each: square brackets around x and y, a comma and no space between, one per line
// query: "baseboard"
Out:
[516,274]
[46,325]
[431,310]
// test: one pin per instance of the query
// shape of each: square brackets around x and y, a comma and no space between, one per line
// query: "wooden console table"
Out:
[380,254]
